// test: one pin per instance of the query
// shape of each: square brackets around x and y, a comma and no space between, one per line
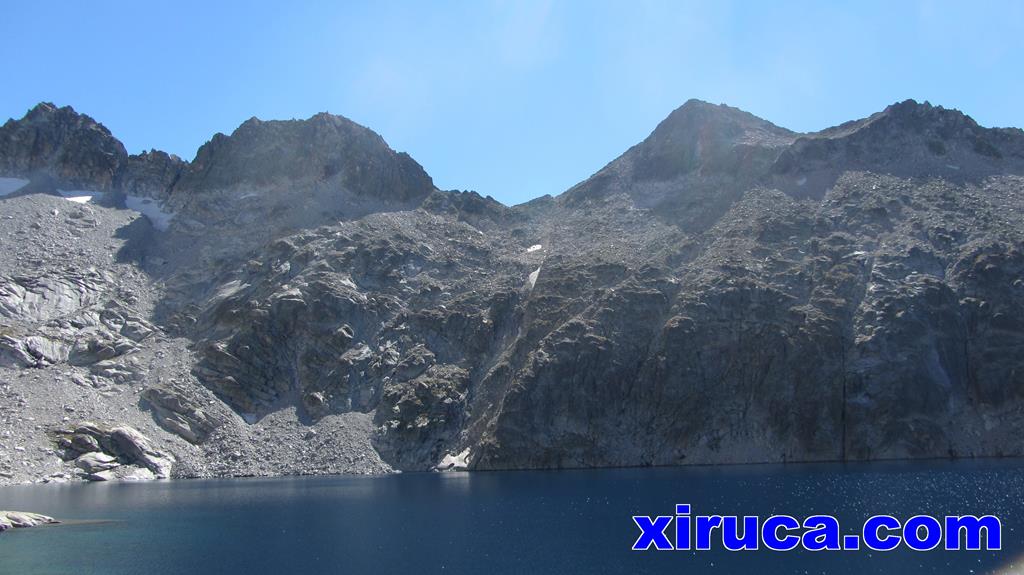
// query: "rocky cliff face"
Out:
[61,144]
[805,302]
[59,149]
[725,291]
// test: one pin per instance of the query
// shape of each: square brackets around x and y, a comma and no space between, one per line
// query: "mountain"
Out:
[61,144]
[300,298]
[60,148]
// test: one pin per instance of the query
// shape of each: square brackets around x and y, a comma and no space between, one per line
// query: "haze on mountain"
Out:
[300,298]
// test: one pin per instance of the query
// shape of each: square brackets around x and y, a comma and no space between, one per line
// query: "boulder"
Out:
[134,447]
[84,443]
[96,461]
[12,519]
[116,453]
[123,473]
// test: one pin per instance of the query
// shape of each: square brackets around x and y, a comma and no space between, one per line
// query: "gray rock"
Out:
[84,443]
[176,412]
[19,519]
[115,448]
[95,462]
[123,473]
[134,447]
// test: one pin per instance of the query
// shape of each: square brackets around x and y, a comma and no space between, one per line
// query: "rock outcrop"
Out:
[178,412]
[20,519]
[114,453]
[151,174]
[72,148]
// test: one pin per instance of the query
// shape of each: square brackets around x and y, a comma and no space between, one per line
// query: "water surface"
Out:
[514,522]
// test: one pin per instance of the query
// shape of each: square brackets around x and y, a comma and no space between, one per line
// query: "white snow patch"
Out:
[534,248]
[801,180]
[80,196]
[151,209]
[452,462]
[531,280]
[11,185]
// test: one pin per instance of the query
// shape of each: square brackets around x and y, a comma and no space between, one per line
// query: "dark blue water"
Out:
[519,522]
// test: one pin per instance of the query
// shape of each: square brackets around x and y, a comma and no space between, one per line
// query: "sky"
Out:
[511,99]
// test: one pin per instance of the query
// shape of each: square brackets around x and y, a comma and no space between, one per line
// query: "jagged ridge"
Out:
[725,291]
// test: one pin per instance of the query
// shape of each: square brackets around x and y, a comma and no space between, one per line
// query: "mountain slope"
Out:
[725,291]
[817,299]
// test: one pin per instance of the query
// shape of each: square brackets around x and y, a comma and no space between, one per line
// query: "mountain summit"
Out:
[909,139]
[63,144]
[323,150]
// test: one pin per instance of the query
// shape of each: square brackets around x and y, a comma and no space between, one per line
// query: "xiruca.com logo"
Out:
[684,532]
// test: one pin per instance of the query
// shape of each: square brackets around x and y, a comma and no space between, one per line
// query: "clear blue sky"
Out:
[512,99]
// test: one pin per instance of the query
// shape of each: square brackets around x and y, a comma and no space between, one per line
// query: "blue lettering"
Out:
[872,527]
[770,533]
[932,532]
[682,527]
[823,533]
[731,538]
[705,525]
[973,526]
[652,532]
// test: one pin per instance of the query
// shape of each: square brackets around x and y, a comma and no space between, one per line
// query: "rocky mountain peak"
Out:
[323,151]
[906,138]
[699,136]
[912,113]
[43,110]
[908,117]
[50,112]
[697,117]
[59,143]
[698,140]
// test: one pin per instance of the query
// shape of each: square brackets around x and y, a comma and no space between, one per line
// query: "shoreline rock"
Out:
[22,519]
[117,453]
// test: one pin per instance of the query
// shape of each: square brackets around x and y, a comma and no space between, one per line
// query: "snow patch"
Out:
[801,180]
[534,248]
[531,280]
[151,209]
[80,196]
[452,462]
[11,185]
